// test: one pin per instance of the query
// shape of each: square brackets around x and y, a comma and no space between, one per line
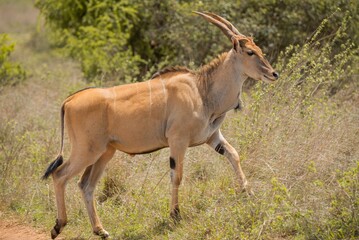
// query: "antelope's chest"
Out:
[205,128]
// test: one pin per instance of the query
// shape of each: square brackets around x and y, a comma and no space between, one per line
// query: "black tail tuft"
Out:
[53,166]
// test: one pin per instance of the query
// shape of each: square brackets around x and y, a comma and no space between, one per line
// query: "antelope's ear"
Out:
[238,43]
[235,43]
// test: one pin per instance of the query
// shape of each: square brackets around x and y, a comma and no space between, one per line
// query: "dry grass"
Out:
[17,16]
[296,156]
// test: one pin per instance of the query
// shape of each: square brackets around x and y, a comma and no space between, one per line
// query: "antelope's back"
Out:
[135,118]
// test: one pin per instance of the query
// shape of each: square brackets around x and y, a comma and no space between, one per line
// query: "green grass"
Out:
[298,145]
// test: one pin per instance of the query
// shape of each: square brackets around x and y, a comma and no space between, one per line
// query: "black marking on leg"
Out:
[220,149]
[172,163]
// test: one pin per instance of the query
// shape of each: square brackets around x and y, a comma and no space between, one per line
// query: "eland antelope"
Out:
[177,108]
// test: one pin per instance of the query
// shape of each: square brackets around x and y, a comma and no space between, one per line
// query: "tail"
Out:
[59,160]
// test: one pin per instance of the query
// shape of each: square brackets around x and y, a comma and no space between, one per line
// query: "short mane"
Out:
[205,72]
[208,69]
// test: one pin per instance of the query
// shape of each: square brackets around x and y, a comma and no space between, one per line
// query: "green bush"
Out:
[125,40]
[10,73]
[277,24]
[344,207]
[96,33]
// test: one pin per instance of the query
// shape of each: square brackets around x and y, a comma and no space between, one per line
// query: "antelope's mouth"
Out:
[270,79]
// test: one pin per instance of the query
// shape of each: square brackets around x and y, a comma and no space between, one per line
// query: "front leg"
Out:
[220,145]
[177,148]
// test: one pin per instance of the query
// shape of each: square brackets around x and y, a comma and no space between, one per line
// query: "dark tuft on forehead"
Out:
[251,45]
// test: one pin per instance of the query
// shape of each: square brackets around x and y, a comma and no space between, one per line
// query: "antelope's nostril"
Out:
[276,75]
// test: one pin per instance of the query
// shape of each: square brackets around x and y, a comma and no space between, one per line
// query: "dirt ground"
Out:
[14,230]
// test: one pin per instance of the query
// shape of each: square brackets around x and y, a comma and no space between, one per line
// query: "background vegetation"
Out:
[123,40]
[297,139]
[10,73]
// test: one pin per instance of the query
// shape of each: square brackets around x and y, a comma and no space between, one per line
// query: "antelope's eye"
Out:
[250,53]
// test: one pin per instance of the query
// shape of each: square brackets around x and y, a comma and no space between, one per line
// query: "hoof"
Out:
[102,233]
[175,215]
[57,229]
[248,191]
[245,188]
[54,233]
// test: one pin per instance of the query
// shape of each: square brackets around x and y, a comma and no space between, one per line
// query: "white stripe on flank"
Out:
[164,95]
[149,86]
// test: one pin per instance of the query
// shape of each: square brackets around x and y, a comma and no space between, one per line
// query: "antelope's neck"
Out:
[225,82]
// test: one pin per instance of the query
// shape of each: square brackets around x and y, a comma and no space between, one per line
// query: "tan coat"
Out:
[177,108]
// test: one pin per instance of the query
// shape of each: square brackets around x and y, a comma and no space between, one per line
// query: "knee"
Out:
[85,187]
[83,182]
[86,190]
[178,180]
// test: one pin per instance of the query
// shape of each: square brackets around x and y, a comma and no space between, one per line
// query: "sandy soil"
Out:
[14,230]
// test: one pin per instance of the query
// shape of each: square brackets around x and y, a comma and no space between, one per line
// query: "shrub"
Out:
[344,207]
[96,33]
[129,40]
[10,73]
[278,24]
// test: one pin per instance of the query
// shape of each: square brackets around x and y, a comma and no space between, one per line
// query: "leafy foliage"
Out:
[278,24]
[129,40]
[96,33]
[10,73]
[345,206]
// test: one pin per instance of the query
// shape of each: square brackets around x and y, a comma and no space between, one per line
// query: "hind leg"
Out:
[87,185]
[75,164]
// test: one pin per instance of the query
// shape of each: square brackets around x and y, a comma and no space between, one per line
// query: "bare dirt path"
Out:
[15,230]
